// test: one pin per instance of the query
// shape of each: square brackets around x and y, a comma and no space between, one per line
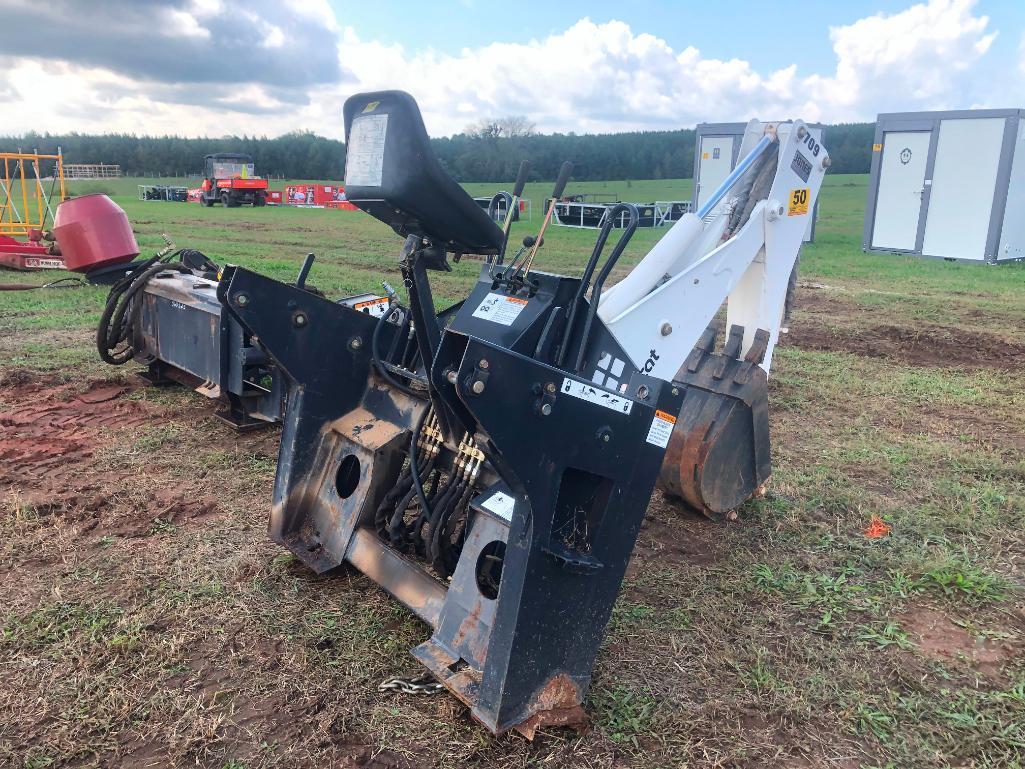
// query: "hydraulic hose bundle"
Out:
[437,530]
[115,337]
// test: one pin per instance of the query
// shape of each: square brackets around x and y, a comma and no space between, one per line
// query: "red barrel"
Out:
[92,232]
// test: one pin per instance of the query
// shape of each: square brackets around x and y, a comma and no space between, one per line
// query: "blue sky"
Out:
[264,67]
[768,35]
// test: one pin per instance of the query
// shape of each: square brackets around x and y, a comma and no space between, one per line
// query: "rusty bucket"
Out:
[718,455]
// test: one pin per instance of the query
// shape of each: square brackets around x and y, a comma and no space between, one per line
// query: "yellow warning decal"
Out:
[877,147]
[798,202]
[371,106]
[370,303]
[665,416]
[704,156]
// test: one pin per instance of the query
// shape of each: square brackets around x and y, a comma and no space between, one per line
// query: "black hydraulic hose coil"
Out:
[120,314]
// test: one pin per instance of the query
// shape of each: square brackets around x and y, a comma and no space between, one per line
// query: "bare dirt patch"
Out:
[929,345]
[939,638]
[49,457]
[677,536]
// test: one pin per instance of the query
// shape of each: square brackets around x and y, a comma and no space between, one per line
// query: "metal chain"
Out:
[422,684]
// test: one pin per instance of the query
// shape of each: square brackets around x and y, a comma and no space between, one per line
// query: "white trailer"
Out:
[716,149]
[948,185]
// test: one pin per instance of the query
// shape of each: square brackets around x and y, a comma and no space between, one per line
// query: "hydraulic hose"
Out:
[414,470]
[120,313]
[379,364]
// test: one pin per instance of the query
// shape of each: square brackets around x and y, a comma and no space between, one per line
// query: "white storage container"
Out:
[948,185]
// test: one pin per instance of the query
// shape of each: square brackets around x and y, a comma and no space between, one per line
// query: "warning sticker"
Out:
[661,428]
[375,307]
[600,397]
[877,147]
[364,157]
[501,505]
[798,205]
[500,308]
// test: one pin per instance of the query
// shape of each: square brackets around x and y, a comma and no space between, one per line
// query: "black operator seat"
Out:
[392,173]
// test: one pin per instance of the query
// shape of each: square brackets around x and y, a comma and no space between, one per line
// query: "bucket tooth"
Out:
[719,452]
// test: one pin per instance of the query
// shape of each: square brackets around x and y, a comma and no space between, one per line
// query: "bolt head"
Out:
[666,329]
[242,300]
[299,320]
[550,387]
[355,343]
[606,437]
[477,387]
[483,364]
[546,409]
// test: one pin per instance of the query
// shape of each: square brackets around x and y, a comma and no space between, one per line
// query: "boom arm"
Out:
[660,310]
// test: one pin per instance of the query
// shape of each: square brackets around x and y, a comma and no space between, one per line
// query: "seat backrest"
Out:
[392,173]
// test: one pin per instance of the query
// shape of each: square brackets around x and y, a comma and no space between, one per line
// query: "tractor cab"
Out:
[229,178]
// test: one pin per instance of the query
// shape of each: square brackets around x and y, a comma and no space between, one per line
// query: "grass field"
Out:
[145,620]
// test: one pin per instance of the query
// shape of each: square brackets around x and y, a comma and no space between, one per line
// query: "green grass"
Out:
[787,638]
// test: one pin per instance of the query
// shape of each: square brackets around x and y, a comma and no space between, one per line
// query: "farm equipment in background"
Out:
[490,465]
[27,199]
[230,179]
[167,313]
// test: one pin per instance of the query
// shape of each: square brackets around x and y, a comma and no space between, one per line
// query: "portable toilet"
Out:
[948,185]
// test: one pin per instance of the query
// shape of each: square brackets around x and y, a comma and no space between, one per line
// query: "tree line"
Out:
[474,156]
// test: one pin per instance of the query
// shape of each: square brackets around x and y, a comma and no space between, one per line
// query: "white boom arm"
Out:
[659,311]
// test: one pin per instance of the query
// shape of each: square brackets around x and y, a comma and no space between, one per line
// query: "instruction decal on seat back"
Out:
[364,157]
[596,395]
[661,429]
[500,308]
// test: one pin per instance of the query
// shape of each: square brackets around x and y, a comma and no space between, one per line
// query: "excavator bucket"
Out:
[718,454]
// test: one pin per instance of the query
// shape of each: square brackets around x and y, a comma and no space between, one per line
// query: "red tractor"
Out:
[230,179]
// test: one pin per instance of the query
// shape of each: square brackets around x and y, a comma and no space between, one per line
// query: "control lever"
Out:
[304,271]
[560,185]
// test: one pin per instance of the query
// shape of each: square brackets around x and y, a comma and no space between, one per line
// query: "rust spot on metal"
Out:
[366,429]
[557,704]
[470,631]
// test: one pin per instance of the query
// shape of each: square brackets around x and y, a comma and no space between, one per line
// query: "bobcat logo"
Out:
[905,156]
[649,364]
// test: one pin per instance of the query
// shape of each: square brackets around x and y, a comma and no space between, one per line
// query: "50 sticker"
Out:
[798,205]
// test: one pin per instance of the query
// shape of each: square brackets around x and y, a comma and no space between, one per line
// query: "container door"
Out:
[716,163]
[901,186]
[963,184]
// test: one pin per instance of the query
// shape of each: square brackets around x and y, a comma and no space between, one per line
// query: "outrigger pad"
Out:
[392,173]
[719,453]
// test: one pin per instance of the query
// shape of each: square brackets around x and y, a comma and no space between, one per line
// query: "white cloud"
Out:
[182,23]
[589,77]
[922,58]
